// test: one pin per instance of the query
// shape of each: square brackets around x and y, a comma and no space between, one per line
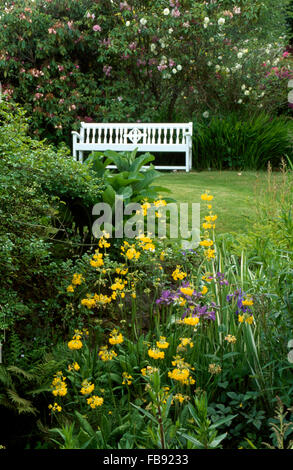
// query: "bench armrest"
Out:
[75,133]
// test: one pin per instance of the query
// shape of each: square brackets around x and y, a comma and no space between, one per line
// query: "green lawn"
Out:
[234,193]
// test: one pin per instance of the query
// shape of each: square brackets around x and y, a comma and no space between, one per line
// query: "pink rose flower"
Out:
[97,27]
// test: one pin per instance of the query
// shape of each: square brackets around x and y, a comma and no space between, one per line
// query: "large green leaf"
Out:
[109,195]
[122,179]
[148,177]
[121,160]
[97,163]
[140,161]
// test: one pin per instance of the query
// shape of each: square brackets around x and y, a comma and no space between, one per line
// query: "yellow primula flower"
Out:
[77,279]
[185,342]
[95,401]
[178,274]
[192,321]
[75,343]
[116,337]
[230,339]
[87,387]
[127,379]
[206,243]
[106,355]
[187,290]
[162,344]
[206,197]
[156,353]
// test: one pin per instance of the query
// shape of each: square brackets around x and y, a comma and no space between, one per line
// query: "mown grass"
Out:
[235,193]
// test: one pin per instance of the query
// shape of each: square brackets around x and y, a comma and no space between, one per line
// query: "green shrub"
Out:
[236,142]
[36,241]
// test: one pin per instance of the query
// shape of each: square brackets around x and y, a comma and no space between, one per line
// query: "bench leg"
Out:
[190,159]
[80,156]
[187,161]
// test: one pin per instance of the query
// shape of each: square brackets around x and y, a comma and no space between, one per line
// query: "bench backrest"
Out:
[143,134]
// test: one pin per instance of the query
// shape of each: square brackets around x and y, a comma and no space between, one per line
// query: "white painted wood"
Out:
[146,137]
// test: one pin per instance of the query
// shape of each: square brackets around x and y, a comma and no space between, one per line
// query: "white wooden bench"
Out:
[151,137]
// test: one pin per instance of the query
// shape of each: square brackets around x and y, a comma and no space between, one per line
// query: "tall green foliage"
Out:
[242,142]
[69,61]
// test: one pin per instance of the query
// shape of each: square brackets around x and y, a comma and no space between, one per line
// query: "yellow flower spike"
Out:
[178,274]
[75,344]
[191,321]
[77,279]
[249,320]
[187,290]
[162,344]
[156,354]
[206,243]
[116,337]
[95,401]
[106,355]
[210,254]
[230,339]
[87,388]
[206,197]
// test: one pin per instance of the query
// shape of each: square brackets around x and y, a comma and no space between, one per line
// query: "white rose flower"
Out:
[174,71]
[217,67]
[240,101]
[206,114]
[127,23]
[166,11]
[170,31]
[143,21]
[179,67]
[212,39]
[240,55]
[247,92]
[209,63]
[221,21]
[206,20]
[153,47]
